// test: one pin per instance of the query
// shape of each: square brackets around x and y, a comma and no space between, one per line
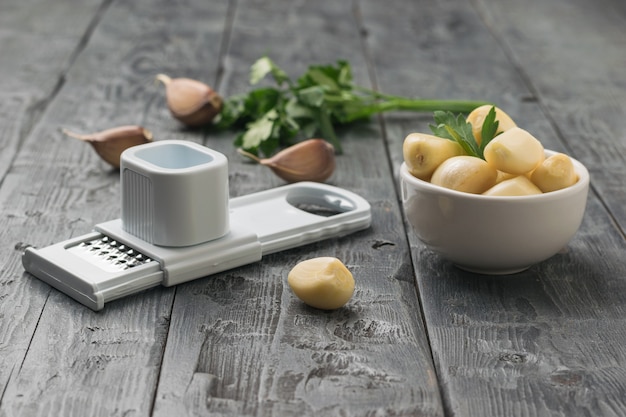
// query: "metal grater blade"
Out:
[109,254]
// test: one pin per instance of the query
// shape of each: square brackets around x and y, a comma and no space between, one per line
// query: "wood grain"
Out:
[34,57]
[69,360]
[540,342]
[572,55]
[420,337]
[240,342]
[37,49]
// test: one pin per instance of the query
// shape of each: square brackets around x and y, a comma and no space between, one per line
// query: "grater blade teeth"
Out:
[110,254]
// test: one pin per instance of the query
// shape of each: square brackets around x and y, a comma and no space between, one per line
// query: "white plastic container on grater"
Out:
[178,224]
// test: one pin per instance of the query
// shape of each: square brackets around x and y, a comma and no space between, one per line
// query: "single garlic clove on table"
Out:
[309,160]
[190,101]
[323,283]
[110,143]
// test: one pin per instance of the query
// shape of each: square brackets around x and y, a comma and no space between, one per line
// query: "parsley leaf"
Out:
[456,128]
[264,66]
[323,97]
[489,129]
[259,130]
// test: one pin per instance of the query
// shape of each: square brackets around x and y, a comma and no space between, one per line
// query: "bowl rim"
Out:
[580,185]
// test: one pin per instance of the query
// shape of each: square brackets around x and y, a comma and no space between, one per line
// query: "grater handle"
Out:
[261,223]
[300,213]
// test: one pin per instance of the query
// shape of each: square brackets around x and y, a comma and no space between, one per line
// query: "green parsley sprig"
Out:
[456,128]
[321,99]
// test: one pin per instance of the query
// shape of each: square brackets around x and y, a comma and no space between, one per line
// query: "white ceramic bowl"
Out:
[490,234]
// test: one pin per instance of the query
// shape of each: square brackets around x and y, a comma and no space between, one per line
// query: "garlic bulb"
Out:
[310,160]
[110,143]
[192,102]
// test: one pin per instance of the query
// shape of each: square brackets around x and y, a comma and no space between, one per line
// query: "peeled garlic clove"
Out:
[465,173]
[514,151]
[323,283]
[310,160]
[517,186]
[192,102]
[555,172]
[423,153]
[110,143]
[477,117]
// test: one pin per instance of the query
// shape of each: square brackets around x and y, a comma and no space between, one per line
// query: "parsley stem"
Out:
[387,102]
[416,105]
[327,129]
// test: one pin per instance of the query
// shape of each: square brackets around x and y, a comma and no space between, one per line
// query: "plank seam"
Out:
[166,338]
[381,119]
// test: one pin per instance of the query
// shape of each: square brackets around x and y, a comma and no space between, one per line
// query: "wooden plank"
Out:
[78,362]
[13,111]
[38,44]
[36,50]
[548,341]
[240,343]
[34,57]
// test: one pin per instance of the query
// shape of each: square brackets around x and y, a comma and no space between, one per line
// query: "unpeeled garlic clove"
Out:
[310,160]
[192,102]
[110,143]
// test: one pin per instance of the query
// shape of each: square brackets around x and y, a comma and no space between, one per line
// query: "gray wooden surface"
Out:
[420,337]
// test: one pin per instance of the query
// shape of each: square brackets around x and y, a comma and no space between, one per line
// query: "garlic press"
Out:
[178,223]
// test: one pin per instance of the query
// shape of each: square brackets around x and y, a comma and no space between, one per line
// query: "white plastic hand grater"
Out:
[178,224]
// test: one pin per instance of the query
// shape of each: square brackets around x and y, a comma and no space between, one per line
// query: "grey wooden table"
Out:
[419,337]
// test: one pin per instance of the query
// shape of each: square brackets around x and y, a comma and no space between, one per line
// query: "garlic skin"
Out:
[110,143]
[310,160]
[324,283]
[191,102]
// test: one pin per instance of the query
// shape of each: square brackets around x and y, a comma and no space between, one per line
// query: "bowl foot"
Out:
[509,271]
